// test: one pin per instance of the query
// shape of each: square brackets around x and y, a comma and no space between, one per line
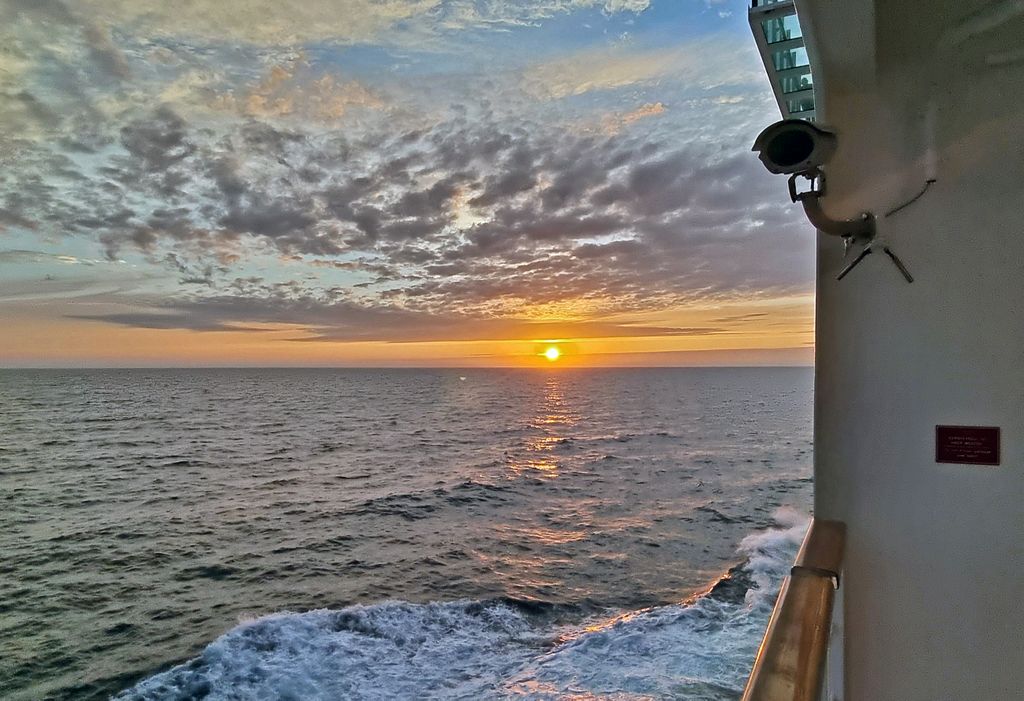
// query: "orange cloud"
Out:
[614,122]
[706,63]
[291,90]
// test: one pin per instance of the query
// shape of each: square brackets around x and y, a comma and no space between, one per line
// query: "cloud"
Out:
[272,23]
[461,14]
[611,123]
[626,5]
[707,63]
[497,218]
[347,320]
[160,320]
[296,90]
[157,141]
[649,110]
[264,22]
[26,256]
[105,54]
[263,184]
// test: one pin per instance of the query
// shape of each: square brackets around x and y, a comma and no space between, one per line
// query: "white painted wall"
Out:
[933,588]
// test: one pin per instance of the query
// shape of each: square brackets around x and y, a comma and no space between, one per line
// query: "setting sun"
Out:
[552,353]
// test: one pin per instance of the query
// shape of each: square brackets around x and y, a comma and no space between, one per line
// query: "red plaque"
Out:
[967,445]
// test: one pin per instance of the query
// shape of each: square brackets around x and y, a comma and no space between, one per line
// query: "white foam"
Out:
[386,651]
[469,650]
[770,554]
[702,650]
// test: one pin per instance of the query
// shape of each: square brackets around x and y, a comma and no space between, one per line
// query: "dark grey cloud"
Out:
[224,172]
[518,174]
[105,54]
[157,141]
[332,317]
[273,219]
[36,110]
[460,225]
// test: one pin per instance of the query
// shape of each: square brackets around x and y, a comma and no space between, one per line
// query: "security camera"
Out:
[799,149]
[794,146]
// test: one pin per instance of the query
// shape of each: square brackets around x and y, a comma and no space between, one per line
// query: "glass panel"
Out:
[790,58]
[800,104]
[796,83]
[781,29]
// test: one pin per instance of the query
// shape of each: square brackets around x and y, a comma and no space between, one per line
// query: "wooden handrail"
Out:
[791,662]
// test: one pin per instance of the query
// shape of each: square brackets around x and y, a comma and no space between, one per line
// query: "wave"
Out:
[698,649]
[420,504]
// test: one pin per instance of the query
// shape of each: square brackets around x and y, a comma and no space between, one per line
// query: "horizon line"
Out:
[552,366]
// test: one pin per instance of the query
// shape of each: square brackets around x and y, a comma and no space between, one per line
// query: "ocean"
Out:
[473,534]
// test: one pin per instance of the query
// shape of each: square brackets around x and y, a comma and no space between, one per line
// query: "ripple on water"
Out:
[146,511]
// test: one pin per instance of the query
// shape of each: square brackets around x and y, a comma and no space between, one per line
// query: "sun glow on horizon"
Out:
[552,353]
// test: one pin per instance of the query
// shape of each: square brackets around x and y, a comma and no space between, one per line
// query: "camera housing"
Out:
[794,146]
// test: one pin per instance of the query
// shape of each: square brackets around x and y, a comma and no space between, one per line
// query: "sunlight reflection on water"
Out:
[553,419]
[159,506]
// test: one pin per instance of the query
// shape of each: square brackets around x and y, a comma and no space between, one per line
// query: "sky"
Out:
[392,183]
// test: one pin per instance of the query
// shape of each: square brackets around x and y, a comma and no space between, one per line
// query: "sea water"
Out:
[395,534]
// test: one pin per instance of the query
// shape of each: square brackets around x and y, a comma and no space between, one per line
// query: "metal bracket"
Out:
[862,228]
[817,571]
[868,249]
[852,231]
[817,189]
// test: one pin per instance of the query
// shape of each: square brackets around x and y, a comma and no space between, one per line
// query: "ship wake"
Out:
[701,648]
